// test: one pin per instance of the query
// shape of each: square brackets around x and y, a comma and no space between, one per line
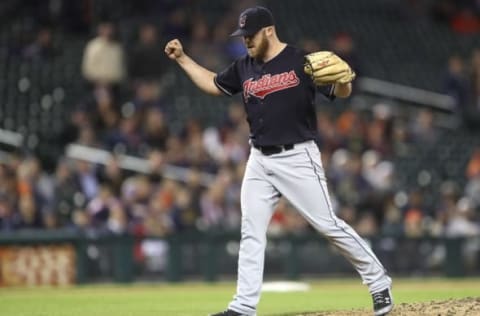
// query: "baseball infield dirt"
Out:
[454,307]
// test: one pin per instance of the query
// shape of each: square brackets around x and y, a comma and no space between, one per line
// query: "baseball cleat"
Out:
[228,312]
[382,302]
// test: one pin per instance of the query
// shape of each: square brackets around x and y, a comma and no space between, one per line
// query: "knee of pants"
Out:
[330,227]
[253,232]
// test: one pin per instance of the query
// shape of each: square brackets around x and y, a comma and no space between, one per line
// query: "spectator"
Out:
[159,220]
[30,216]
[351,128]
[236,121]
[455,84]
[146,61]
[234,147]
[352,188]
[105,115]
[87,136]
[461,222]
[392,224]
[446,203]
[367,225]
[472,188]
[42,48]
[400,138]
[35,192]
[117,222]
[194,187]
[176,153]
[378,173]
[465,21]
[86,177]
[112,175]
[103,58]
[423,129]
[147,95]
[104,209]
[474,108]
[212,205]
[183,214]
[66,190]
[379,130]
[136,192]
[475,79]
[8,183]
[156,164]
[473,166]
[9,219]
[78,119]
[155,129]
[126,138]
[329,138]
[414,215]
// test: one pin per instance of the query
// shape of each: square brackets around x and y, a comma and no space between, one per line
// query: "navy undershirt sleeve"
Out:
[228,80]
[327,91]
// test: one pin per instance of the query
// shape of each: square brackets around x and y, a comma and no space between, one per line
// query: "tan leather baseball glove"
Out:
[327,68]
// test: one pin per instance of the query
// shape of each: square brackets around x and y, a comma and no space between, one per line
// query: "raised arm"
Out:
[201,77]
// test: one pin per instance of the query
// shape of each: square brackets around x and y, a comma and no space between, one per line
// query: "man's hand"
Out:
[174,49]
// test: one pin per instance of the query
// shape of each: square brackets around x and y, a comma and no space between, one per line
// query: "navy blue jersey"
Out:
[279,97]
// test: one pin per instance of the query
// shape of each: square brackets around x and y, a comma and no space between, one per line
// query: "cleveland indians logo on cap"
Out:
[242,20]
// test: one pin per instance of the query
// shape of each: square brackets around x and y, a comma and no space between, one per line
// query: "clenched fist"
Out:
[174,49]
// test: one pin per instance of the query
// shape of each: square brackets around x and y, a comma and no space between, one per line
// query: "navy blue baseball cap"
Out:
[253,20]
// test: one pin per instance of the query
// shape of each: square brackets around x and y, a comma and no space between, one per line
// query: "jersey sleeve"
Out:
[327,91]
[228,80]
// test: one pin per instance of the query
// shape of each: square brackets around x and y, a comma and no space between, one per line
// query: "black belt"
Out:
[273,149]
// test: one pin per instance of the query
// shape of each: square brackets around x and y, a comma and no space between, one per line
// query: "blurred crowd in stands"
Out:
[125,113]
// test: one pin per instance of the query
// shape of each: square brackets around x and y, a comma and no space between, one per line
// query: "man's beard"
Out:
[262,49]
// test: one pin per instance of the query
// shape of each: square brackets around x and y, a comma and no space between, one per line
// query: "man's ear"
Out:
[269,30]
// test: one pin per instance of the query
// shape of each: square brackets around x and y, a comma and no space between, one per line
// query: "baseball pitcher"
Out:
[278,84]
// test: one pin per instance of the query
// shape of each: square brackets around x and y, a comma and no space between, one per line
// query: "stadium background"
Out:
[112,159]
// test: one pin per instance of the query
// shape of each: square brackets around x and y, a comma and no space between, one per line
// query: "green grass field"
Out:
[189,299]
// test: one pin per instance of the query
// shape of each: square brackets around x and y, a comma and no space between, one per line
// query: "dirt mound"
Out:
[469,306]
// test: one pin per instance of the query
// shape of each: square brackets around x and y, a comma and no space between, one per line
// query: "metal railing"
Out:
[420,97]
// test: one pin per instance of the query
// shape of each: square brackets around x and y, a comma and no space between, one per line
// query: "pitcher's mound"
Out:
[469,306]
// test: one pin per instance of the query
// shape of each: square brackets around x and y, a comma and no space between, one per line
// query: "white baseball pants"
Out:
[298,175]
